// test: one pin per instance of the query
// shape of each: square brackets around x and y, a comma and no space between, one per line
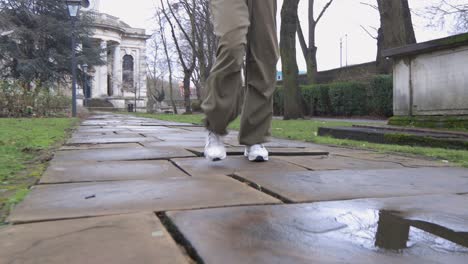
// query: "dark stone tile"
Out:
[139,238]
[340,163]
[359,231]
[64,201]
[122,154]
[100,146]
[236,151]
[66,172]
[351,184]
[109,140]
[199,167]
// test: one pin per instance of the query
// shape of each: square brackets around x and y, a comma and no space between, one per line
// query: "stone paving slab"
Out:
[406,161]
[100,146]
[64,201]
[109,140]
[359,231]
[236,151]
[276,143]
[351,184]
[200,167]
[139,238]
[122,154]
[168,123]
[67,172]
[339,163]
[182,143]
[99,130]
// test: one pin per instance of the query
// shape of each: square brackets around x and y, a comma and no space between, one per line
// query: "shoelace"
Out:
[255,147]
[212,138]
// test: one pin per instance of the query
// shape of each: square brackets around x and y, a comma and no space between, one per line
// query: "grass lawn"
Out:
[25,149]
[306,130]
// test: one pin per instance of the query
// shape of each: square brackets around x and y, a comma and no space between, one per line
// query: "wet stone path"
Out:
[134,190]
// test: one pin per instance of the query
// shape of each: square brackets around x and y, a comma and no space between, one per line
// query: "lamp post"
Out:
[73,10]
[85,86]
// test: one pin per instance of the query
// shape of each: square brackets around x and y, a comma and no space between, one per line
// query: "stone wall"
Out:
[359,72]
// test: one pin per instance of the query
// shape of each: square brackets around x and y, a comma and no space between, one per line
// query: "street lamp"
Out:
[73,10]
[86,92]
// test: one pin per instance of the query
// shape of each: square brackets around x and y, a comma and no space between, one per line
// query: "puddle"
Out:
[385,230]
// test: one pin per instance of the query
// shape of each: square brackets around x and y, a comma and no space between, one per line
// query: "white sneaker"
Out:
[256,153]
[214,148]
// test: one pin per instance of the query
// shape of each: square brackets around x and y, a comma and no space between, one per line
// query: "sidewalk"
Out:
[135,190]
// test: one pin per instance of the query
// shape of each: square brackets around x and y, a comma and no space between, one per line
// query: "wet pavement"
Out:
[134,190]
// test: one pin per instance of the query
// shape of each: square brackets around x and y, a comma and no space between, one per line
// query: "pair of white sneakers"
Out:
[216,151]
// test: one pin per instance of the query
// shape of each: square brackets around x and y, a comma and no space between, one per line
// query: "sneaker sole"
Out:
[258,159]
[215,159]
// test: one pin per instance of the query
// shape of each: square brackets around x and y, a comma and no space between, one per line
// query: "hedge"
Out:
[373,98]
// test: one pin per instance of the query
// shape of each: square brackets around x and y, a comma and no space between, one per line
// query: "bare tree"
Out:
[184,44]
[455,11]
[164,43]
[289,25]
[310,49]
[206,44]
[396,29]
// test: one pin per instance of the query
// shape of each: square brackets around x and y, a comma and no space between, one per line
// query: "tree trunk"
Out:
[311,56]
[188,106]
[396,29]
[292,93]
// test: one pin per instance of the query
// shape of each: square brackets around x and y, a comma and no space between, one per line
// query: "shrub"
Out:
[278,101]
[348,99]
[373,98]
[317,100]
[16,101]
[196,106]
[381,96]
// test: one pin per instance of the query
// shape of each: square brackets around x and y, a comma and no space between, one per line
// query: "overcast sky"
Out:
[344,17]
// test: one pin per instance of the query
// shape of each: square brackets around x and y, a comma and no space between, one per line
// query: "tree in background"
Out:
[168,60]
[452,12]
[396,29]
[38,46]
[310,49]
[292,94]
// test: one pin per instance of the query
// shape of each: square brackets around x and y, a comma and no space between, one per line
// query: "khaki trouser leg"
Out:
[235,21]
[262,57]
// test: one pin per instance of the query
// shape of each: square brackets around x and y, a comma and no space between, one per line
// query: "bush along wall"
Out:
[373,98]
[17,101]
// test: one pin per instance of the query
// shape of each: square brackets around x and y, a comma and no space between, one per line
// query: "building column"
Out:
[117,71]
[102,71]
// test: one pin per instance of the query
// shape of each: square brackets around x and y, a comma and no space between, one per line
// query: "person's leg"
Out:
[262,57]
[231,23]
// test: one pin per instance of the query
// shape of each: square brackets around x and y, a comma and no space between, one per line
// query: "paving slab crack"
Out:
[260,188]
[179,167]
[183,243]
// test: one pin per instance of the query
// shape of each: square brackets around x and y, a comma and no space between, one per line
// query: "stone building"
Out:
[123,80]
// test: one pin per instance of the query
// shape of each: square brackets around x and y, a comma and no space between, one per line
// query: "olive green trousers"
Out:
[246,28]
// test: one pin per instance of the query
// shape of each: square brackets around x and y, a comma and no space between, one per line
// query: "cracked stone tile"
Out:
[121,154]
[200,167]
[65,201]
[424,229]
[236,151]
[351,184]
[100,146]
[137,238]
[339,163]
[68,172]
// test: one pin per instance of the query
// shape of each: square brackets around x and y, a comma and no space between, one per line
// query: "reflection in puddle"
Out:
[378,230]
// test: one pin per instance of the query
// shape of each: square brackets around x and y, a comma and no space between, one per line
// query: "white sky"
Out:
[344,17]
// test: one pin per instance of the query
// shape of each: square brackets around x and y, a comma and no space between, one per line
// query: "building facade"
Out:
[122,80]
